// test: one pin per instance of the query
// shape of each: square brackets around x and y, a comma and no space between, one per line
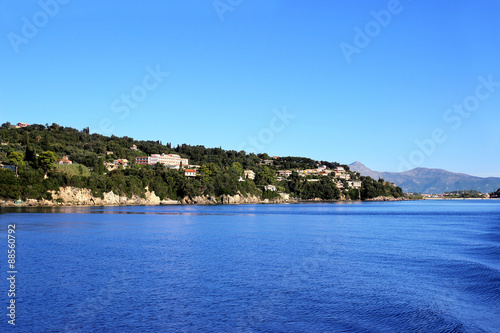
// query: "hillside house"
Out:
[339,171]
[64,160]
[270,188]
[345,176]
[354,184]
[249,174]
[284,173]
[172,161]
[123,162]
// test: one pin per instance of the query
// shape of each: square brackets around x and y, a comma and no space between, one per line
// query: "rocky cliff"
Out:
[234,200]
[72,196]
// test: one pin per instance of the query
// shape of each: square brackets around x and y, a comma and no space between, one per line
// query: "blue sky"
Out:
[266,76]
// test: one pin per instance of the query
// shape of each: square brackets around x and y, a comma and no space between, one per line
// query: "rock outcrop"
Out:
[72,196]
[236,199]
[200,200]
[83,196]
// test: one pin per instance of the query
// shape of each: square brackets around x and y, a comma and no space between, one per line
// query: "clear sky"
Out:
[395,85]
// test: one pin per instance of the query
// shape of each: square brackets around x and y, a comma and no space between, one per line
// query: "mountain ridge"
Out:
[430,180]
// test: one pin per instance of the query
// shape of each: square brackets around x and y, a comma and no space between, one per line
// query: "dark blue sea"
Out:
[426,266]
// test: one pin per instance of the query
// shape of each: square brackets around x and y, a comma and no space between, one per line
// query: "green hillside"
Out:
[35,149]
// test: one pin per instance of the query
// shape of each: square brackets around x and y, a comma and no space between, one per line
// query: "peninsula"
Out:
[54,165]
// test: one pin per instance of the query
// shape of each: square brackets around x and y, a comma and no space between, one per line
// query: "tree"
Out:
[45,141]
[30,153]
[495,194]
[26,138]
[264,156]
[46,160]
[15,137]
[16,158]
[265,176]
[295,183]
[354,194]
[99,167]
[5,135]
[204,173]
[236,169]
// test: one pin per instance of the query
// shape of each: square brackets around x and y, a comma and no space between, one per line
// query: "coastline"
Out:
[460,198]
[71,197]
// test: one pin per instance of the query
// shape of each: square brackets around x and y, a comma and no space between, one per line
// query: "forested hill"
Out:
[36,149]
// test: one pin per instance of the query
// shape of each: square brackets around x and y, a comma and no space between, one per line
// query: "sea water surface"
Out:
[430,266]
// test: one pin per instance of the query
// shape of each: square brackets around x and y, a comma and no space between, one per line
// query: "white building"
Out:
[270,188]
[169,160]
[339,171]
[354,183]
[249,174]
[284,173]
[345,176]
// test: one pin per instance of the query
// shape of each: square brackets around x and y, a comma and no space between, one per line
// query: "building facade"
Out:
[249,174]
[170,160]
[64,160]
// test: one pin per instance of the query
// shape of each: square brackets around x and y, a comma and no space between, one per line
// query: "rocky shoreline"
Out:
[388,199]
[72,196]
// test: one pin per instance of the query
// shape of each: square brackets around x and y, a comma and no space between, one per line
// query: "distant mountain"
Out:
[431,180]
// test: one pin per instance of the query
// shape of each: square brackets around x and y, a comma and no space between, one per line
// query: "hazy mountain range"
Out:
[425,180]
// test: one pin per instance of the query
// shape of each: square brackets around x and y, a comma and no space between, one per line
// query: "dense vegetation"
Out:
[374,188]
[34,150]
[495,194]
[463,194]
